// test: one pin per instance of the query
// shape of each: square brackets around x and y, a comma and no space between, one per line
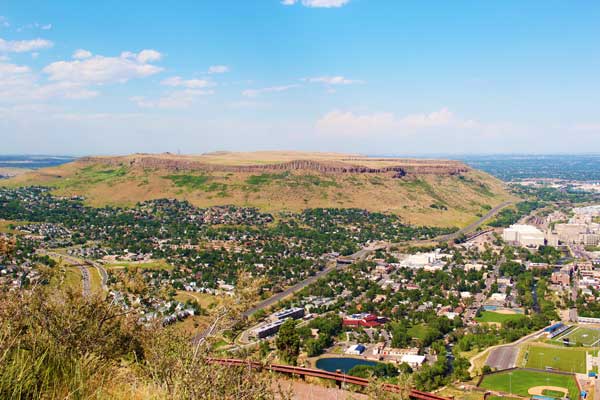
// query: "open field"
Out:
[492,316]
[562,359]
[452,392]
[156,265]
[72,278]
[95,279]
[418,331]
[521,381]
[430,196]
[205,300]
[582,335]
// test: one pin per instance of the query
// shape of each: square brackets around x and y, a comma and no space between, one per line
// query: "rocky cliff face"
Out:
[403,167]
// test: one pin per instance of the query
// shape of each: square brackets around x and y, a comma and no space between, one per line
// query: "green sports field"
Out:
[520,381]
[491,316]
[562,359]
[583,335]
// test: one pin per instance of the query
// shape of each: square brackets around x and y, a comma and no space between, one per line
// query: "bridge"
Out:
[339,378]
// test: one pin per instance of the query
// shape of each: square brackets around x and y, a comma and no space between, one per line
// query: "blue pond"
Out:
[344,364]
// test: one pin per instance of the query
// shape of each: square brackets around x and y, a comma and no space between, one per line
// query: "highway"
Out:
[83,266]
[471,227]
[359,255]
[289,291]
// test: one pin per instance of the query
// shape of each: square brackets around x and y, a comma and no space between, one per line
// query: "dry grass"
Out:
[411,198]
[205,300]
[154,265]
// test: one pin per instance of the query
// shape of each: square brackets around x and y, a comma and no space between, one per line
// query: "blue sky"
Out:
[367,76]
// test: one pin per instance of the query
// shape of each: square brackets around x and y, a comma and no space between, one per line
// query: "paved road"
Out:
[359,255]
[505,356]
[84,266]
[85,280]
[476,224]
[291,290]
[103,275]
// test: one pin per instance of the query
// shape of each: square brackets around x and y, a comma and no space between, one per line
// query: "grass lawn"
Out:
[418,331]
[563,359]
[491,316]
[156,265]
[585,336]
[520,381]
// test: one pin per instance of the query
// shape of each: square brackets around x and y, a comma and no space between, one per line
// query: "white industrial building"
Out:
[524,235]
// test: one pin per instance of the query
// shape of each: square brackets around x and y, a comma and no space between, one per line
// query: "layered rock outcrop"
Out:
[399,167]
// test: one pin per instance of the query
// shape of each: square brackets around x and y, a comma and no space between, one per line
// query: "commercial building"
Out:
[524,235]
[295,313]
[269,329]
[561,277]
[356,349]
[365,320]
[570,233]
[414,360]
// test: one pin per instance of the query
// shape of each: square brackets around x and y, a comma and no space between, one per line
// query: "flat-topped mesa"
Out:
[399,167]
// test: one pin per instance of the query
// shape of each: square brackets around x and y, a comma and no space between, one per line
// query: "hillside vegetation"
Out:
[424,192]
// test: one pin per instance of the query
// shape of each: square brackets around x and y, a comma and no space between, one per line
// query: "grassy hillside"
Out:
[428,198]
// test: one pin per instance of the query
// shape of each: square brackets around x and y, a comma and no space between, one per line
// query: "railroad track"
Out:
[317,373]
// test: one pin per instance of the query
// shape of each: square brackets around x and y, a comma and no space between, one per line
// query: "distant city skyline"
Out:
[362,76]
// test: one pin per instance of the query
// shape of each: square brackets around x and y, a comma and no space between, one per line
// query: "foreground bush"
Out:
[56,343]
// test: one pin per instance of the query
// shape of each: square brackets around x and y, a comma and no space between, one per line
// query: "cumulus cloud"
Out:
[146,56]
[99,69]
[349,123]
[174,100]
[332,80]
[81,54]
[24,46]
[177,81]
[218,69]
[317,3]
[273,89]
[18,84]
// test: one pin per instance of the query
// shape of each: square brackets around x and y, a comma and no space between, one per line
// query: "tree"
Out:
[288,342]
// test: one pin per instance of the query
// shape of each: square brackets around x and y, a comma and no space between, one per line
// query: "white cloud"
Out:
[18,84]
[46,27]
[81,54]
[317,3]
[100,69]
[273,89]
[177,81]
[332,80]
[177,99]
[24,46]
[146,56]
[218,69]
[4,22]
[349,123]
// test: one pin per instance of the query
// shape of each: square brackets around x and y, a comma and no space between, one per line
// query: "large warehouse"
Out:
[524,235]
